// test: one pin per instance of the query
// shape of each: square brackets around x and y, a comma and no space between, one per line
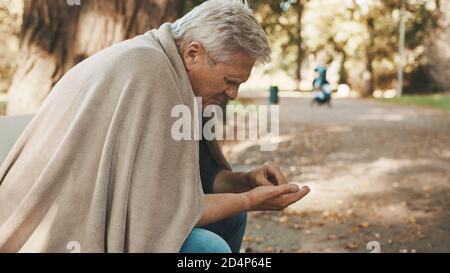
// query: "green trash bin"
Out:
[273,98]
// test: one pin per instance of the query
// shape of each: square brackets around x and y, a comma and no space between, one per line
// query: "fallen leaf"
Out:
[354,229]
[269,249]
[333,237]
[411,220]
[427,189]
[248,250]
[298,226]
[350,212]
[364,225]
[351,245]
[318,224]
[283,220]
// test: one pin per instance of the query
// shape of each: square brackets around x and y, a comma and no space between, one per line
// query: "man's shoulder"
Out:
[139,52]
[139,57]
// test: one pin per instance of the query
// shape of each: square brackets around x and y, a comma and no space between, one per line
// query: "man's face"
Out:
[216,83]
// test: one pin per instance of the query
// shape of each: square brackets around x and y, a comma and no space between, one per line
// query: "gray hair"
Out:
[224,28]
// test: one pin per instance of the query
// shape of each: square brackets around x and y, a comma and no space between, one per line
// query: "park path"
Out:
[377,172]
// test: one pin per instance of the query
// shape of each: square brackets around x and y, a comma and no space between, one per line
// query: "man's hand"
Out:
[238,182]
[274,197]
[264,188]
[267,175]
[270,189]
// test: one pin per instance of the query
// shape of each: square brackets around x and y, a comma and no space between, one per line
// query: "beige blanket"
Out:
[97,169]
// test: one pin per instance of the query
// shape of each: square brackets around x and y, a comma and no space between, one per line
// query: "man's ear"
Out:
[192,53]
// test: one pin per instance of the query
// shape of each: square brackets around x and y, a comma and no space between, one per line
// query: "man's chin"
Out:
[210,104]
[214,102]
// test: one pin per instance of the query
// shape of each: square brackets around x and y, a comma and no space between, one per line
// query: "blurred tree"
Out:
[381,19]
[10,21]
[361,34]
[365,34]
[282,21]
[438,65]
[57,34]
[332,33]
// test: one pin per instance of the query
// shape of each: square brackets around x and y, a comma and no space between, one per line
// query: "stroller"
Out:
[322,88]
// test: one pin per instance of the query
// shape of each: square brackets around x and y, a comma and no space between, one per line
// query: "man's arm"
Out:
[221,206]
[231,182]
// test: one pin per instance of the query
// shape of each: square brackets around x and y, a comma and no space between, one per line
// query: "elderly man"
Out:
[97,169]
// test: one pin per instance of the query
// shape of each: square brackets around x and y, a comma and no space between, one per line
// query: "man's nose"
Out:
[232,93]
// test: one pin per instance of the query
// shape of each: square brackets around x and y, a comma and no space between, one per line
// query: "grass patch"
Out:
[438,101]
[3,101]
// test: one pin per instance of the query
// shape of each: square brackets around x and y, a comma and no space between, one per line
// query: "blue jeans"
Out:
[222,237]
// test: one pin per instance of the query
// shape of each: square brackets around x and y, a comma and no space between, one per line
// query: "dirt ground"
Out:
[377,172]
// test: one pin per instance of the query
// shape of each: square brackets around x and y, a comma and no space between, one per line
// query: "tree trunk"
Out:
[300,52]
[369,83]
[339,47]
[56,35]
[343,74]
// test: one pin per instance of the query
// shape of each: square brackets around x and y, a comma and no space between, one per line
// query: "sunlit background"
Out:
[357,40]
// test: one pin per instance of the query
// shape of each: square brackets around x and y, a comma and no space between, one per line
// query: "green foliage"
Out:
[190,4]
[282,21]
[355,31]
[3,101]
[439,101]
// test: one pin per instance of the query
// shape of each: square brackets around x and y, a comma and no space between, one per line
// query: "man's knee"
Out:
[204,241]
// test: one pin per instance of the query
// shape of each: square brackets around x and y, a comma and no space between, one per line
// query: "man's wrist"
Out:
[245,201]
[247,180]
[232,182]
